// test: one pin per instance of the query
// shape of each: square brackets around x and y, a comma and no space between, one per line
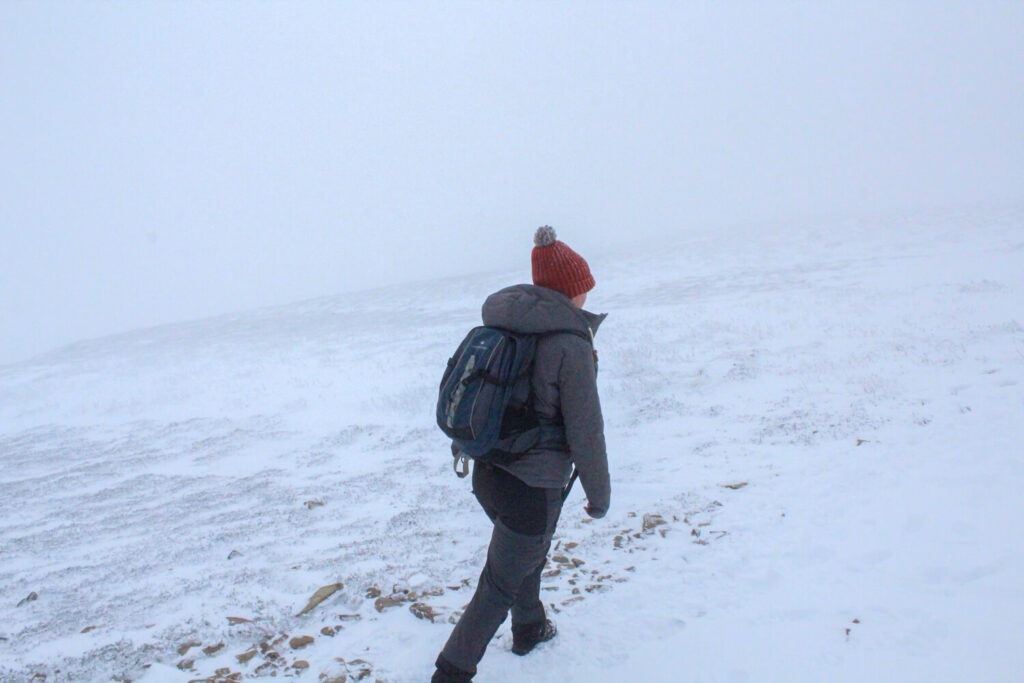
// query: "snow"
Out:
[858,384]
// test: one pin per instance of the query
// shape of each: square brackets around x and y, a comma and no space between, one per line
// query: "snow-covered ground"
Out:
[817,445]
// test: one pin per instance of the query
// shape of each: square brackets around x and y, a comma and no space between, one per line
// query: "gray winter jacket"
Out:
[565,391]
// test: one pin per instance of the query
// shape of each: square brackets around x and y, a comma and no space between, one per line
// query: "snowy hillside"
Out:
[817,450]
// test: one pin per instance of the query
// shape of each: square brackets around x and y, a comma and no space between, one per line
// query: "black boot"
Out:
[527,636]
[449,673]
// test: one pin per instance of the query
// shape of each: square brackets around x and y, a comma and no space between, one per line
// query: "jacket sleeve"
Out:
[584,424]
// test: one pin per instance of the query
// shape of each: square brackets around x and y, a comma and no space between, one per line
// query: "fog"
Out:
[166,161]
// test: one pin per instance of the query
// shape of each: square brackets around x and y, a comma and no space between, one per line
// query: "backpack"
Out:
[485,401]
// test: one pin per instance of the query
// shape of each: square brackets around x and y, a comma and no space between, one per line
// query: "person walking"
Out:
[523,498]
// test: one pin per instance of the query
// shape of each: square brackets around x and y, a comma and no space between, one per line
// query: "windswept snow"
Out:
[817,466]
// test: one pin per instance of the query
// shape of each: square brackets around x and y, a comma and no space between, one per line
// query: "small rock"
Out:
[213,649]
[735,487]
[422,610]
[577,562]
[301,642]
[310,504]
[88,628]
[183,649]
[239,620]
[381,604]
[343,678]
[32,597]
[373,592]
[223,671]
[328,631]
[245,657]
[233,554]
[560,559]
[187,664]
[651,521]
[320,595]
[301,664]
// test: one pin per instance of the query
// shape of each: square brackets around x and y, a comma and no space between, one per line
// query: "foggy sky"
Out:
[166,161]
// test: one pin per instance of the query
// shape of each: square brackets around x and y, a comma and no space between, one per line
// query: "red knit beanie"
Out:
[558,267]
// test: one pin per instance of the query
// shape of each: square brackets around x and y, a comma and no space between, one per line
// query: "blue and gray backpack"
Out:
[485,402]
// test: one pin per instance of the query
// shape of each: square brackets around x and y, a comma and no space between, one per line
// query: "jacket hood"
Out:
[529,309]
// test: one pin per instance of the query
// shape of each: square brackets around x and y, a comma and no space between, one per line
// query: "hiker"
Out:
[523,496]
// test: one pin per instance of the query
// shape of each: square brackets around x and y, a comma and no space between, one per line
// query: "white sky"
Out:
[165,161]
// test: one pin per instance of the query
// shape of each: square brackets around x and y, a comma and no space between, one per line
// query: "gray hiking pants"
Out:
[524,521]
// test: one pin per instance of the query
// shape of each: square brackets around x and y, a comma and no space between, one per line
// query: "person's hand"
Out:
[593,512]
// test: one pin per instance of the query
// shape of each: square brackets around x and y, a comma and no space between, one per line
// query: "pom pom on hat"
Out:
[545,236]
[558,267]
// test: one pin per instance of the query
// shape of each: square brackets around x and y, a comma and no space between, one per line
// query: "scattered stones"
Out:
[32,597]
[319,596]
[267,645]
[213,649]
[651,521]
[246,657]
[300,642]
[422,610]
[185,647]
[383,603]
